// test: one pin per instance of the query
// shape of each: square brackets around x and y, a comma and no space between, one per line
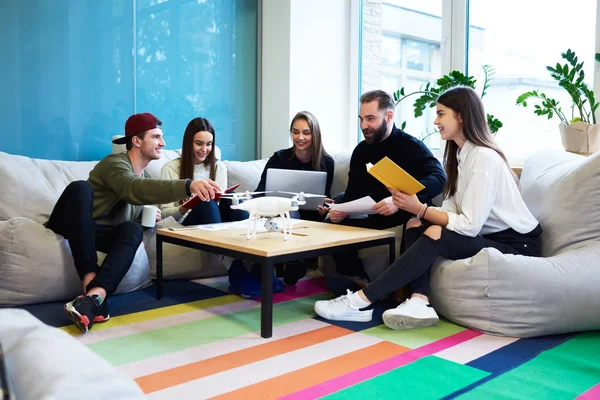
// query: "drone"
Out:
[269,207]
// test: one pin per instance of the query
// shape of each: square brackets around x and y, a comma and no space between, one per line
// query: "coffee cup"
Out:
[149,216]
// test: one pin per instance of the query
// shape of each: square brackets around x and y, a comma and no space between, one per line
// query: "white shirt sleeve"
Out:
[475,206]
[221,175]
[169,171]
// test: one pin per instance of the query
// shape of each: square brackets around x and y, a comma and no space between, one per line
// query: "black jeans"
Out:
[209,212]
[72,218]
[413,266]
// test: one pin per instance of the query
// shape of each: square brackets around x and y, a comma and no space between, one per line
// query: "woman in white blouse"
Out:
[198,161]
[482,208]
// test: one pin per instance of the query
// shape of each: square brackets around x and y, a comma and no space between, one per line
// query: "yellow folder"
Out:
[392,175]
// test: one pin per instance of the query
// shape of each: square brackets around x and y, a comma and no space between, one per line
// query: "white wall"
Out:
[309,63]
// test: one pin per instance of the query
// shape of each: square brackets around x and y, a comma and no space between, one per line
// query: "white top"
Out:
[171,171]
[487,198]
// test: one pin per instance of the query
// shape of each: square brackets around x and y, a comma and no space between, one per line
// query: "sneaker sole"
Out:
[397,322]
[77,319]
[102,319]
[349,318]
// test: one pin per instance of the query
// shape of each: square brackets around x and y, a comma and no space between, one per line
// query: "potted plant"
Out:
[580,133]
[429,94]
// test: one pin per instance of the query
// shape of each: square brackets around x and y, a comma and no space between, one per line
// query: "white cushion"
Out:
[246,173]
[31,186]
[36,265]
[562,190]
[181,262]
[47,363]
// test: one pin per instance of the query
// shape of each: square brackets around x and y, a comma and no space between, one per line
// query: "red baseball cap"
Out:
[138,123]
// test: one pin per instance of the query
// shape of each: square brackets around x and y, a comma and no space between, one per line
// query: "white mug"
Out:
[149,216]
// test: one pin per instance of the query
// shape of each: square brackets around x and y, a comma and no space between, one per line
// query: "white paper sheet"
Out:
[356,208]
[260,225]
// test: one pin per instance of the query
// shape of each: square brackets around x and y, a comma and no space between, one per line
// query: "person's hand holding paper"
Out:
[386,207]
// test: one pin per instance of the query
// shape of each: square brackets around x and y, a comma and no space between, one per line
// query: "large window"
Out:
[519,45]
[409,56]
[407,43]
[72,71]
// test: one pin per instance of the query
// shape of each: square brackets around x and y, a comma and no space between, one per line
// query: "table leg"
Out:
[159,267]
[266,309]
[392,250]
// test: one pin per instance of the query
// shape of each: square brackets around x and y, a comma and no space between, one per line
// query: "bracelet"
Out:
[422,210]
[425,212]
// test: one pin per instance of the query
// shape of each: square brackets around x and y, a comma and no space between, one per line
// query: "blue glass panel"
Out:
[69,82]
[198,59]
[66,76]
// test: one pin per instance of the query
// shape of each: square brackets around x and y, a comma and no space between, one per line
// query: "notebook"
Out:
[392,175]
[292,180]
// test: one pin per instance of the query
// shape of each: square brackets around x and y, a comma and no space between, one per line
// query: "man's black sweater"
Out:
[410,154]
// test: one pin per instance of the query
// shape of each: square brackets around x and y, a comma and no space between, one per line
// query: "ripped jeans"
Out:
[413,266]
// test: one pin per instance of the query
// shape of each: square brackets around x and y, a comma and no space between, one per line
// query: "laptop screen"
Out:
[291,180]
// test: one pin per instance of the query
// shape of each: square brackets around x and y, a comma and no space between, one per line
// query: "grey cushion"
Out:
[36,265]
[47,363]
[562,190]
[526,296]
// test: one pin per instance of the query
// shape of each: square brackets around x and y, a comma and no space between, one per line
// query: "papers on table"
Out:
[260,225]
[357,208]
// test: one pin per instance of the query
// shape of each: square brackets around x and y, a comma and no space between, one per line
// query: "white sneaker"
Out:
[410,314]
[340,309]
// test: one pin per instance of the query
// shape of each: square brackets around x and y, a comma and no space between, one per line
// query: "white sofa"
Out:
[36,264]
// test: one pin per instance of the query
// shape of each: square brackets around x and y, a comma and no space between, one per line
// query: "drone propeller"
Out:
[304,195]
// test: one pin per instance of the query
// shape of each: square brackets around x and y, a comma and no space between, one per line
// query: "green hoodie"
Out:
[119,193]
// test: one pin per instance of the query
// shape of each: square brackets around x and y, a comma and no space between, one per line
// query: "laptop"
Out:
[292,180]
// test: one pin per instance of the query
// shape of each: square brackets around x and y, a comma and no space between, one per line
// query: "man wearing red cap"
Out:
[102,213]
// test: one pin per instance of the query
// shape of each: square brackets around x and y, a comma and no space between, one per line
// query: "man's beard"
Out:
[377,134]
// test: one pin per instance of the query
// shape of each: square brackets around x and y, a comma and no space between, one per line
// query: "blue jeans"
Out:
[72,218]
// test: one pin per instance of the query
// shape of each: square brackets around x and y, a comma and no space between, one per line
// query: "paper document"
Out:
[392,175]
[260,225]
[356,207]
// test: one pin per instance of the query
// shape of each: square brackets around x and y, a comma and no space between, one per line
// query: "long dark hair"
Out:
[467,103]
[318,155]
[186,170]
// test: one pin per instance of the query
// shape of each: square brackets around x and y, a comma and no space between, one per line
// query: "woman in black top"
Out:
[307,153]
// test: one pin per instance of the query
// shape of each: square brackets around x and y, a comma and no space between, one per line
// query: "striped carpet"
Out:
[200,342]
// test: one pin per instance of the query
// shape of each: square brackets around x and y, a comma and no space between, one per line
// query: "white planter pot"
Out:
[580,138]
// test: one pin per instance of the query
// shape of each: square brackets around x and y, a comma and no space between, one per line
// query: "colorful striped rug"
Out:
[201,342]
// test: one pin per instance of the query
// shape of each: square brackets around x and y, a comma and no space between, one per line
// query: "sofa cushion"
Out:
[181,262]
[246,173]
[36,265]
[510,295]
[32,186]
[562,190]
[47,363]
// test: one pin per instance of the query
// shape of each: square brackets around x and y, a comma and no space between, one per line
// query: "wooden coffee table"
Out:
[267,249]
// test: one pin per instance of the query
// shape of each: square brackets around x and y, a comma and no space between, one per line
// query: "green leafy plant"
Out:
[570,76]
[429,94]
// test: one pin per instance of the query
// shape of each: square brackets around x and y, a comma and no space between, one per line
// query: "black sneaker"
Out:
[102,314]
[82,311]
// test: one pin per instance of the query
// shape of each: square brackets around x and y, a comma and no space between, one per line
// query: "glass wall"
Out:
[72,73]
